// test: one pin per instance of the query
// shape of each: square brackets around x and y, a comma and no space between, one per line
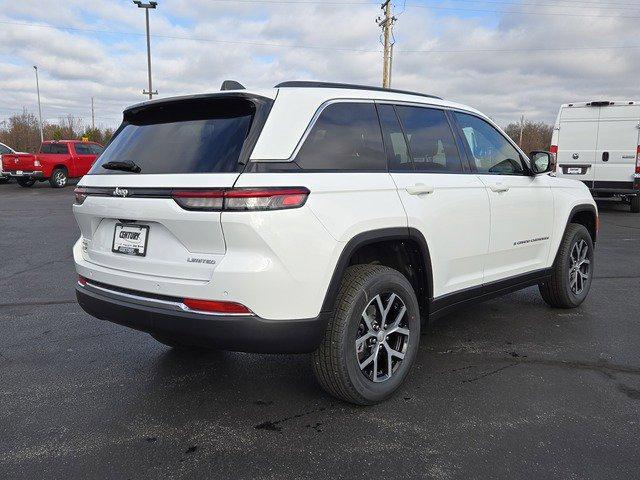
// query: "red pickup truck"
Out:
[57,161]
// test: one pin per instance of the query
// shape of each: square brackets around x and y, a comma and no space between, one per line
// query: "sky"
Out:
[505,57]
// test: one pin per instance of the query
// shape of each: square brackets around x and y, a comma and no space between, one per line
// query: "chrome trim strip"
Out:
[177,306]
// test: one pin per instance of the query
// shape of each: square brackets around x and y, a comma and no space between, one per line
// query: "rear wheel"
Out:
[371,342]
[572,270]
[635,204]
[58,178]
[26,182]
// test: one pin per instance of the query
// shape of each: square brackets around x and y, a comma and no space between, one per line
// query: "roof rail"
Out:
[307,84]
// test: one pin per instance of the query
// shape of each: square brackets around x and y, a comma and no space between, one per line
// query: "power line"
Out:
[318,47]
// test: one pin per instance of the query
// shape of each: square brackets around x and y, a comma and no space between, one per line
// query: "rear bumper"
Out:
[24,173]
[244,333]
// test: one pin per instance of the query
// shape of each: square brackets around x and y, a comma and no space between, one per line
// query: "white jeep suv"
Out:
[326,218]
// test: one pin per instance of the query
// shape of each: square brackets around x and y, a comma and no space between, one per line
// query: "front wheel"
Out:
[26,182]
[372,339]
[572,270]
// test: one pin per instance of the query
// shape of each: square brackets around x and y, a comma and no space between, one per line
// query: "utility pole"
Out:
[146,7]
[93,116]
[387,26]
[521,130]
[35,67]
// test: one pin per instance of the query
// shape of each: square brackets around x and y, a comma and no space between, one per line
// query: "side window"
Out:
[431,143]
[346,136]
[46,148]
[55,148]
[82,149]
[491,152]
[394,141]
[95,148]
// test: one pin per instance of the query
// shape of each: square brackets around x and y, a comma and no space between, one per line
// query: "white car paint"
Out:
[280,263]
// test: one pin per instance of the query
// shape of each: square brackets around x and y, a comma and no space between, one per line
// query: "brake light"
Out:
[215,306]
[242,199]
[81,195]
[638,161]
[199,199]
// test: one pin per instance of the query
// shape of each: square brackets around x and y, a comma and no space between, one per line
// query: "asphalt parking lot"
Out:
[506,389]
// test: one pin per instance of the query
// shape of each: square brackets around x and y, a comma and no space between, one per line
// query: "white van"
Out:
[597,142]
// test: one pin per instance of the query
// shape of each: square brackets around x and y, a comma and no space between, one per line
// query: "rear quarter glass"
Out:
[192,136]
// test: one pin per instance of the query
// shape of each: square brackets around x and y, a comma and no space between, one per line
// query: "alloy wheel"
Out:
[383,337]
[580,267]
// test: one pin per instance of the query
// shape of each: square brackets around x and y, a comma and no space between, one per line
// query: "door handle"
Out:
[605,156]
[498,187]
[419,189]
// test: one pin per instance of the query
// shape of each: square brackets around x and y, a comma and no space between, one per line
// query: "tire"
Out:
[173,342]
[26,182]
[635,204]
[559,291]
[337,362]
[59,178]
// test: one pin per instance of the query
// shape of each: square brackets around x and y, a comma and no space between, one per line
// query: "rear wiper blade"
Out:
[127,166]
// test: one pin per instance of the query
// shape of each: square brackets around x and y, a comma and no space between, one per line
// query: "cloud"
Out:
[505,74]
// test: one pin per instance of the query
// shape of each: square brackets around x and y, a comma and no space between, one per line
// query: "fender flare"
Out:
[584,207]
[374,236]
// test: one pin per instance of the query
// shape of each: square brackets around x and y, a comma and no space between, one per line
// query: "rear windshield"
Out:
[192,136]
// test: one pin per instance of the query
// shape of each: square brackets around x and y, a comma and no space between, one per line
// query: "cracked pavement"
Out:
[506,389]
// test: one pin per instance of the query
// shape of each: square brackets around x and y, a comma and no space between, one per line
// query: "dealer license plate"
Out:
[130,239]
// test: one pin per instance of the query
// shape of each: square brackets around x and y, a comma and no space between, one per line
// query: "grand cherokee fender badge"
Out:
[208,261]
[120,192]
[531,240]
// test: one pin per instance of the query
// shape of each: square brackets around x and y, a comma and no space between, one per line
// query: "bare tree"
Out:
[535,135]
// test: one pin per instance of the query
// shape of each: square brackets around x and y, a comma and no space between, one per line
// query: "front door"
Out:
[521,204]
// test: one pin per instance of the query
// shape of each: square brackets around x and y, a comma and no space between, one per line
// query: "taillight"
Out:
[215,306]
[638,161]
[199,199]
[242,199]
[81,195]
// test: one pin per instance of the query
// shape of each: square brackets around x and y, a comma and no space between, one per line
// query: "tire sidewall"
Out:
[395,282]
[579,234]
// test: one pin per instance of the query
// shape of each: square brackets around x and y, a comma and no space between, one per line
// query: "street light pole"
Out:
[146,7]
[39,107]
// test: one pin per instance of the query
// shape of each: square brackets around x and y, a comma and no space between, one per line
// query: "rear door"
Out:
[447,204]
[577,143]
[617,144]
[182,146]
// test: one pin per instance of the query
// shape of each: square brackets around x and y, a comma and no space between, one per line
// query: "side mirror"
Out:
[542,162]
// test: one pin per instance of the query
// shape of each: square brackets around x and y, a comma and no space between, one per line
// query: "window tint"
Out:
[206,136]
[83,149]
[4,149]
[55,148]
[394,141]
[346,136]
[491,152]
[95,149]
[431,143]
